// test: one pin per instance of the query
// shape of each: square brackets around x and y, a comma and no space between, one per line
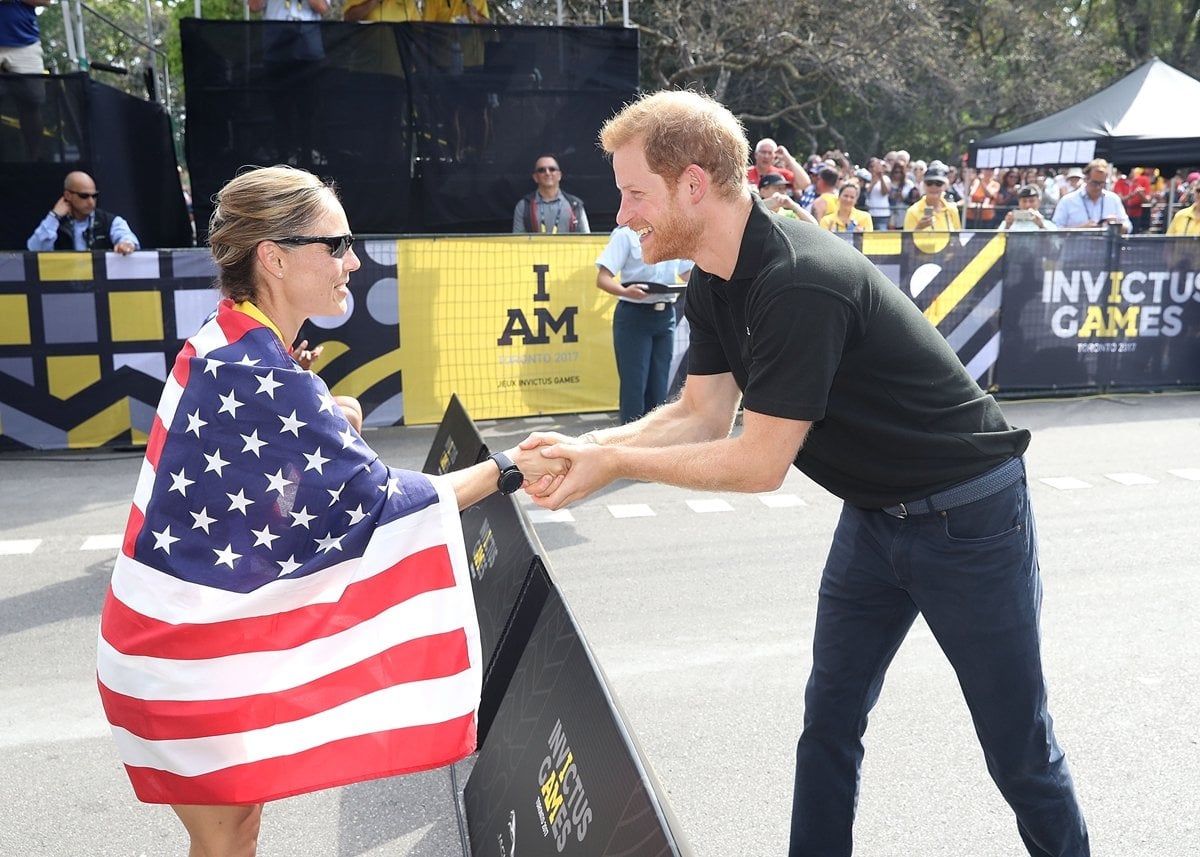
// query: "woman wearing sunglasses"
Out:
[75,222]
[287,613]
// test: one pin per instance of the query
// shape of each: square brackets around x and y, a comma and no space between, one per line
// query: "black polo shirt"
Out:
[811,330]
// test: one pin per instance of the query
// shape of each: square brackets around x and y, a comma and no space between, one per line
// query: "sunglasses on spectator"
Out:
[545,169]
[337,244]
[82,195]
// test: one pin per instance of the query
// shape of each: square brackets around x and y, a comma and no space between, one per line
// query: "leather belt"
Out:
[984,485]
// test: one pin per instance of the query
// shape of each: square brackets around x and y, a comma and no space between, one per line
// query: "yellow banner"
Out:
[513,324]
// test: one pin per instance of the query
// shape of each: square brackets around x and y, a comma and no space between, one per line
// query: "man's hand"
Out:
[542,474]
[61,208]
[585,469]
[124,247]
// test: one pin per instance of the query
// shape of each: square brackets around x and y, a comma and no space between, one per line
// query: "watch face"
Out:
[511,480]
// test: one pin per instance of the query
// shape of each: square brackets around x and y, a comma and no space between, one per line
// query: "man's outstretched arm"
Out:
[686,443]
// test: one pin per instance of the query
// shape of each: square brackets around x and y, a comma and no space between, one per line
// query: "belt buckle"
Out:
[903,511]
[660,306]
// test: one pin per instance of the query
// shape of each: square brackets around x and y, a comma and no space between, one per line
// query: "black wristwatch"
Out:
[511,478]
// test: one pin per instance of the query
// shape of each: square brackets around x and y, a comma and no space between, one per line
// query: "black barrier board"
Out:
[562,774]
[501,552]
[457,443]
[501,549]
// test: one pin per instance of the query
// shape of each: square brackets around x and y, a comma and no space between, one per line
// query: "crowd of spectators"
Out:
[896,192]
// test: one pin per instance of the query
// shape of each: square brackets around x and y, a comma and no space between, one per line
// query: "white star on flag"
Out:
[315,460]
[348,437]
[335,494]
[276,482]
[247,361]
[392,487]
[253,444]
[195,423]
[301,518]
[226,556]
[264,537]
[202,520]
[328,543]
[180,482]
[327,404]
[215,462]
[164,540]
[287,566]
[239,501]
[290,423]
[267,384]
[356,514]
[210,366]
[229,404]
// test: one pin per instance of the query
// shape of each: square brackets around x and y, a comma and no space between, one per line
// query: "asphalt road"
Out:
[699,609]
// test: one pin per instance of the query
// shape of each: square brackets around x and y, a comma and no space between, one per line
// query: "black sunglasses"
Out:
[337,244]
[545,169]
[95,195]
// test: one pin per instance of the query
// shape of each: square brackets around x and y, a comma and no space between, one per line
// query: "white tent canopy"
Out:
[1147,118]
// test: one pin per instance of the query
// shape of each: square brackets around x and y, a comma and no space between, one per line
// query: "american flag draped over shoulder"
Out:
[286,613]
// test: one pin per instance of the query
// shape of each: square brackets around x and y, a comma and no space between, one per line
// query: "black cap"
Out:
[771,179]
[936,173]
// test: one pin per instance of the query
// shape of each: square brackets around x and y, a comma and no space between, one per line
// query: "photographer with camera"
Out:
[1026,217]
[931,212]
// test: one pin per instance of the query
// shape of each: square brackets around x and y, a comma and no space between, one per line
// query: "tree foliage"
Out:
[925,75]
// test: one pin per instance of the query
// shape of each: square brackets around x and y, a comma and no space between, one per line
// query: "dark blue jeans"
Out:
[643,339]
[972,572]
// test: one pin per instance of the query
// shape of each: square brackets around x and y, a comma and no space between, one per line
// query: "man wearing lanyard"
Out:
[1092,207]
[549,210]
[75,223]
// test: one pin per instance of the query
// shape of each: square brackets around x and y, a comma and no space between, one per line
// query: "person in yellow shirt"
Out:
[457,11]
[931,212]
[826,183]
[847,218]
[1187,220]
[382,10]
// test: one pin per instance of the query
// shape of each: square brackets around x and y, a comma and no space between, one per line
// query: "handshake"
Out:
[560,469]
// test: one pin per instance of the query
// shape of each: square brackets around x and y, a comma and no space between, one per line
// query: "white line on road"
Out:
[780,501]
[715,505]
[1065,483]
[107,542]
[1131,479]
[19,546]
[550,516]
[631,510]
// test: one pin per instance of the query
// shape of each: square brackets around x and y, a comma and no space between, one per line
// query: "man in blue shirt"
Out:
[1092,206]
[643,322]
[75,223]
